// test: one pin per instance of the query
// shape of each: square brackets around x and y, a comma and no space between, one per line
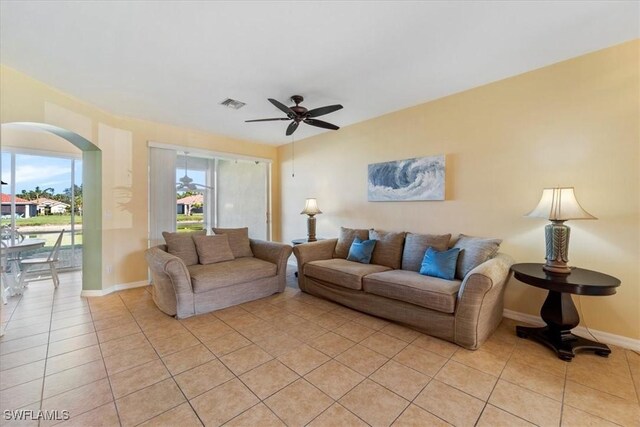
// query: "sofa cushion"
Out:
[227,273]
[212,249]
[361,250]
[238,240]
[345,239]
[415,246]
[414,288]
[341,272]
[388,250]
[183,246]
[473,252]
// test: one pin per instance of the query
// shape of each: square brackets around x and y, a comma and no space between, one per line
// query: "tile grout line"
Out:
[44,371]
[499,377]
[165,366]
[104,365]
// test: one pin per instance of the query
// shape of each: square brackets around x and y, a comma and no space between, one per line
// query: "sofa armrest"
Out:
[481,301]
[172,290]
[273,252]
[314,251]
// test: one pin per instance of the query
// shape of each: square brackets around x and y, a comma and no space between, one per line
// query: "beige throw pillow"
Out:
[415,246]
[346,239]
[213,249]
[388,250]
[238,240]
[182,245]
[473,252]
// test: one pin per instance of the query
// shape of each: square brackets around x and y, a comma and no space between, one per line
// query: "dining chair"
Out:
[51,260]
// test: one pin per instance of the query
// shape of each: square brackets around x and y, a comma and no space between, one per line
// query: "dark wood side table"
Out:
[558,310]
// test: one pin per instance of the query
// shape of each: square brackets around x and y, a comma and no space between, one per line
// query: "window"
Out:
[207,190]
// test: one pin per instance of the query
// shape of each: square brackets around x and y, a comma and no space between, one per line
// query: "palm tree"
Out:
[37,193]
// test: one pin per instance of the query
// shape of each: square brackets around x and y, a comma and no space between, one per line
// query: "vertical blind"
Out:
[162,193]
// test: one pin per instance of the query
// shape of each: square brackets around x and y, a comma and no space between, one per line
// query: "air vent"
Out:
[232,103]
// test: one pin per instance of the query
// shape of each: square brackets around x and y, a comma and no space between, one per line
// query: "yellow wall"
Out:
[575,123]
[123,142]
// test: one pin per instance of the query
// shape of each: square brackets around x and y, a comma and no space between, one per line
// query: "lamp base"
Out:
[557,247]
[311,229]
[556,269]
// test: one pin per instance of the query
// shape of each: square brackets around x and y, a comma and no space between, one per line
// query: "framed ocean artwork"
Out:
[407,180]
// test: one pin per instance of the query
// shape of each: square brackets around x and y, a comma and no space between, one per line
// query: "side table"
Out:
[559,311]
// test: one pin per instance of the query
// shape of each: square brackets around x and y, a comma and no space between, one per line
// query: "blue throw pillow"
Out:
[440,264]
[361,250]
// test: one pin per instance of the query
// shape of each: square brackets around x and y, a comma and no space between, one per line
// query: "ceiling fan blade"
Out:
[317,112]
[282,107]
[321,124]
[292,128]
[267,120]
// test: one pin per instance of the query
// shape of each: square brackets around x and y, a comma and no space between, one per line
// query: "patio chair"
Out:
[51,260]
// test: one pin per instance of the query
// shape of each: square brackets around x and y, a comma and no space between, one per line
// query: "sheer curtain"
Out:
[162,193]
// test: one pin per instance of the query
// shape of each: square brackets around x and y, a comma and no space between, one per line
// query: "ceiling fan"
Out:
[186,183]
[299,114]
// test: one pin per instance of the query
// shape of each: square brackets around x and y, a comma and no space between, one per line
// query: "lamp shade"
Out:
[559,204]
[311,207]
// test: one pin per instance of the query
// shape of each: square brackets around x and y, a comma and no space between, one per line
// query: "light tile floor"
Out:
[290,359]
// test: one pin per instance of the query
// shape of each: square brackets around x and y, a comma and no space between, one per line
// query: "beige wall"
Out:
[575,123]
[123,142]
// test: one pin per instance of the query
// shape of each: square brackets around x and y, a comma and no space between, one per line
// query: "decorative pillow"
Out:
[473,252]
[440,264]
[415,246]
[182,245]
[346,239]
[238,240]
[213,249]
[388,250]
[361,250]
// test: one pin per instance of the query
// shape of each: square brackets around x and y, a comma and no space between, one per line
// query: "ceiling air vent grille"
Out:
[232,103]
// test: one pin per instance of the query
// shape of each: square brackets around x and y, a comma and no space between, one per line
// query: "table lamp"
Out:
[311,209]
[558,205]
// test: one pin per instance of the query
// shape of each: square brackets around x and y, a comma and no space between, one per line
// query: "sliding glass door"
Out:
[197,191]
[42,197]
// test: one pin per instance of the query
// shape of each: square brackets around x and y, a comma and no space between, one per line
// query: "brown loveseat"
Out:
[184,286]
[464,310]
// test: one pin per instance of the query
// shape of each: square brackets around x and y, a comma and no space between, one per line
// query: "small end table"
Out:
[558,310]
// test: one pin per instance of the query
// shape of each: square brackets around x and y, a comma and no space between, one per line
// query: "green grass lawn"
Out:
[44,220]
[185,222]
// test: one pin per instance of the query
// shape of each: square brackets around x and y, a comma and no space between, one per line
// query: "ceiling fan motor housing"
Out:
[299,110]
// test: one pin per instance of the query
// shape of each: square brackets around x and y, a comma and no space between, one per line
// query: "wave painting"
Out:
[406,180]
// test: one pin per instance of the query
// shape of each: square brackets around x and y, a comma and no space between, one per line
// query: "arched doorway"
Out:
[92,213]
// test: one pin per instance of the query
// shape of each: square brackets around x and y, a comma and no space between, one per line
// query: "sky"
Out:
[54,172]
[45,172]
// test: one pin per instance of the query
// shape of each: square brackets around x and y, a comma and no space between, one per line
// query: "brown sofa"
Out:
[465,310]
[183,290]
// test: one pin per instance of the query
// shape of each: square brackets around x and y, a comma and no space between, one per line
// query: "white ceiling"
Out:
[173,62]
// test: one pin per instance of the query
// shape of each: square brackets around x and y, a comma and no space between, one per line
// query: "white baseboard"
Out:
[605,337]
[114,288]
